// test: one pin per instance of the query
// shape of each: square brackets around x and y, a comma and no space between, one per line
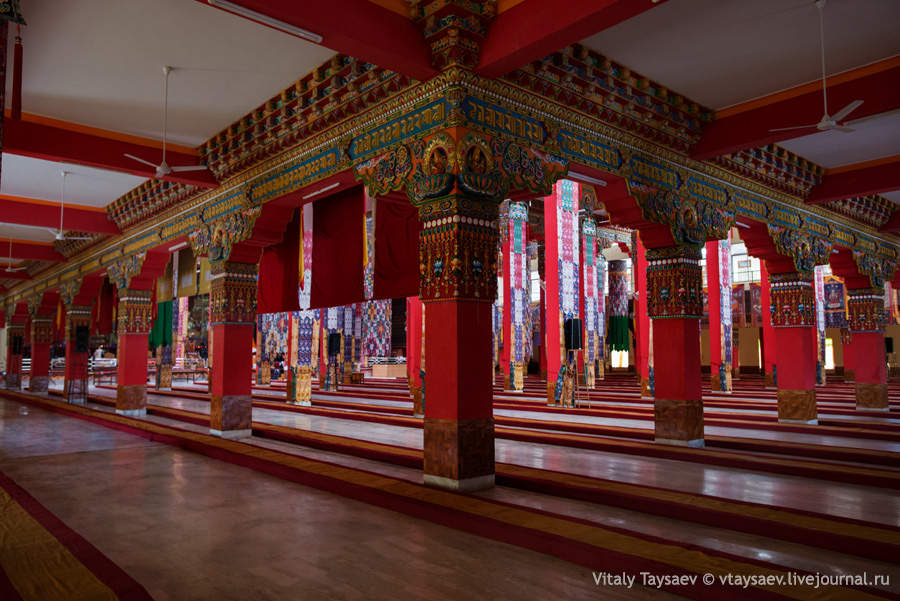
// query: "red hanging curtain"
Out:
[396,269]
[276,286]
[337,265]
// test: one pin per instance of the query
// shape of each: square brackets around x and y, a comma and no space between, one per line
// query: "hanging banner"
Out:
[567,237]
[600,262]
[518,261]
[591,305]
[617,278]
[377,326]
[819,279]
[834,302]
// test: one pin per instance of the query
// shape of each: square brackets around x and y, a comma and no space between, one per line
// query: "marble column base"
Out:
[459,454]
[645,389]
[300,403]
[770,380]
[230,413]
[678,421]
[871,395]
[848,375]
[130,398]
[132,412]
[39,384]
[797,406]
[231,434]
[551,392]
[417,400]
[14,381]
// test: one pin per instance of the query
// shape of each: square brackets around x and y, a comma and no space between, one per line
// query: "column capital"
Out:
[120,272]
[878,268]
[865,309]
[233,293]
[216,238]
[692,221]
[135,310]
[674,282]
[793,299]
[42,329]
[805,249]
[454,29]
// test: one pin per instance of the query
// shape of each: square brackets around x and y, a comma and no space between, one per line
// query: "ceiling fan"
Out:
[9,266]
[163,169]
[58,233]
[827,122]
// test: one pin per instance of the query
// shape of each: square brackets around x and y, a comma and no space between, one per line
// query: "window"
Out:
[744,268]
[620,359]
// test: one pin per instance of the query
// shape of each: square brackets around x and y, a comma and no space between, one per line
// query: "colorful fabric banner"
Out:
[617,278]
[835,302]
[517,282]
[591,305]
[819,280]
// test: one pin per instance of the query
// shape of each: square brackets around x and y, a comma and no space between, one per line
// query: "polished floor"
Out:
[192,528]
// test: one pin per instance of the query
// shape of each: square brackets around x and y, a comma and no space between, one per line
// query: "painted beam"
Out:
[42,141]
[751,128]
[856,182]
[22,211]
[33,251]
[357,28]
[533,29]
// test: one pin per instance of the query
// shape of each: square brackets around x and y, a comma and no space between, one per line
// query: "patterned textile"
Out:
[377,328]
[600,262]
[568,239]
[518,280]
[755,317]
[273,334]
[307,337]
[835,302]
[724,247]
[617,275]
[819,280]
[738,317]
[591,317]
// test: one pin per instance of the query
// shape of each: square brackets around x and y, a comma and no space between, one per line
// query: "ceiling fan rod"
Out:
[820,4]
[166,70]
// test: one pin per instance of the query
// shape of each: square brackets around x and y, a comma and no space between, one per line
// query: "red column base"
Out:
[679,422]
[797,406]
[848,375]
[131,399]
[459,454]
[872,395]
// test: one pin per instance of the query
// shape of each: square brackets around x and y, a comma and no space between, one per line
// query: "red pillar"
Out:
[675,302]
[15,344]
[866,313]
[768,331]
[134,316]
[78,320]
[232,302]
[543,316]
[459,424]
[41,338]
[847,343]
[794,320]
[414,351]
[643,328]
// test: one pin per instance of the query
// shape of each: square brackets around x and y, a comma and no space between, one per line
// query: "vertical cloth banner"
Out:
[530,262]
[517,286]
[338,248]
[396,249]
[718,276]
[590,302]
[279,273]
[600,263]
[617,278]
[834,302]
[819,279]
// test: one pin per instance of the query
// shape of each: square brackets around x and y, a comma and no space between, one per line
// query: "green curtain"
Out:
[618,336]
[161,334]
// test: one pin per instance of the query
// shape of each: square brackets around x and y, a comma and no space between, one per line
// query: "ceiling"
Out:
[873,138]
[36,178]
[99,63]
[724,52]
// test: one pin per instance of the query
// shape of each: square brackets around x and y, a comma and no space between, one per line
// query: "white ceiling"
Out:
[873,138]
[99,63]
[724,52]
[36,178]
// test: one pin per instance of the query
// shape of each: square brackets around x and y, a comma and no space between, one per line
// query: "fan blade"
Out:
[813,126]
[839,116]
[140,160]
[189,168]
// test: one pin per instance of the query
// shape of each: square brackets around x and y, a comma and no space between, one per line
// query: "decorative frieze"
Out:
[793,300]
[453,29]
[233,294]
[121,271]
[692,221]
[217,238]
[879,268]
[135,311]
[806,250]
[865,310]
[674,282]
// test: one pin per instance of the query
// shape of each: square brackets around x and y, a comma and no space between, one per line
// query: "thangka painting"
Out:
[307,337]
[273,333]
[892,311]
[835,302]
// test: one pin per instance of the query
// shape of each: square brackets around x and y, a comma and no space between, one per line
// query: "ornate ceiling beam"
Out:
[857,182]
[533,29]
[751,128]
[43,141]
[356,27]
[34,251]
[25,211]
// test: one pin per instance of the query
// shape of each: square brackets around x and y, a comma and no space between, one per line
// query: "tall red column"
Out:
[232,309]
[867,319]
[15,344]
[675,303]
[41,338]
[847,344]
[78,320]
[794,320]
[643,327]
[458,285]
[767,330]
[134,319]
[543,315]
[414,351]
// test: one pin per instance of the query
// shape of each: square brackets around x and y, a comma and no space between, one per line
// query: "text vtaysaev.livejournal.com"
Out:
[817,580]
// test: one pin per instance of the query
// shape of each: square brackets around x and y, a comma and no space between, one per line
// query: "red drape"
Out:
[276,286]
[337,265]
[396,269]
